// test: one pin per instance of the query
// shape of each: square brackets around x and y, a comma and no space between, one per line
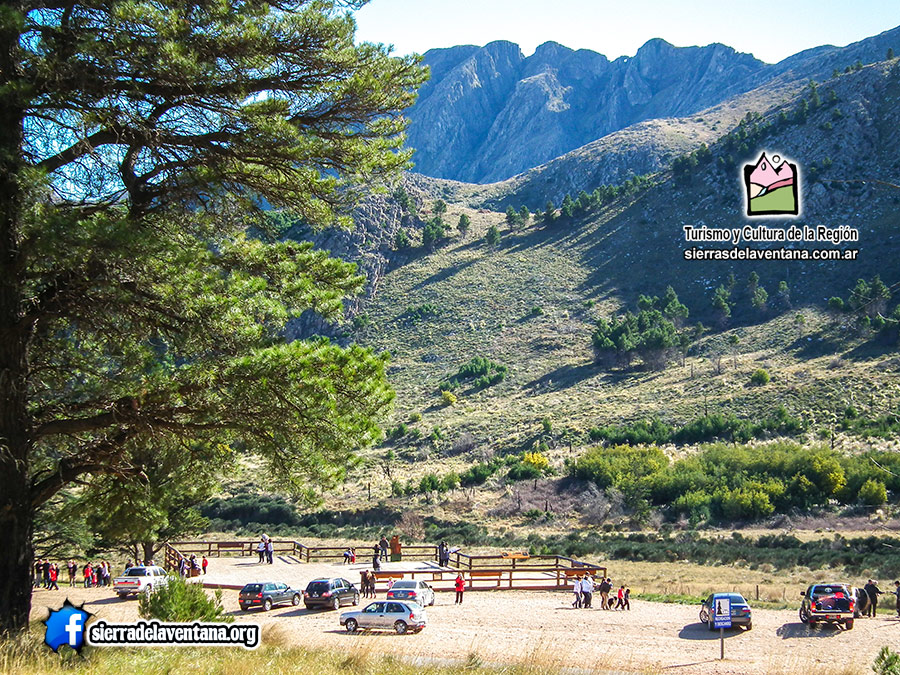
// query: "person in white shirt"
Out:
[576,589]
[261,550]
[587,591]
[270,550]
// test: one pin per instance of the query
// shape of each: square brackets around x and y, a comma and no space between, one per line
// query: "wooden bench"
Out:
[515,556]
[388,575]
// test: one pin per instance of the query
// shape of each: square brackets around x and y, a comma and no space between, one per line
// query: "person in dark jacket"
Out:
[897,593]
[872,590]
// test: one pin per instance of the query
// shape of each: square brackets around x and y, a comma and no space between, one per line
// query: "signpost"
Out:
[722,620]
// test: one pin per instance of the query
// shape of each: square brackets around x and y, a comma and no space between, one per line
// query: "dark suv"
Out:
[828,603]
[266,595]
[325,593]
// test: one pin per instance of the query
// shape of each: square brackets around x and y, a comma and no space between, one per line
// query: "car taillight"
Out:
[851,603]
[259,595]
[326,594]
[305,594]
[390,594]
[412,616]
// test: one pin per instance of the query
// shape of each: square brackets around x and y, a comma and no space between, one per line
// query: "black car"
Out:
[267,595]
[334,593]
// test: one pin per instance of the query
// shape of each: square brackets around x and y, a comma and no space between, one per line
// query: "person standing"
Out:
[71,567]
[88,574]
[383,545]
[872,590]
[897,593]
[460,586]
[45,568]
[605,588]
[261,550]
[364,582]
[620,598]
[270,552]
[587,590]
[627,599]
[204,564]
[576,591]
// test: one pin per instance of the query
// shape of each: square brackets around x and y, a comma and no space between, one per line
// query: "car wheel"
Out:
[295,600]
[710,625]
[749,626]
[433,598]
[356,599]
[848,624]
[308,606]
[804,617]
[336,603]
[704,615]
[267,604]
[400,627]
[351,625]
[812,624]
[123,596]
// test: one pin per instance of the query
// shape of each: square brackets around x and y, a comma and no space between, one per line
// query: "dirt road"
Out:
[542,628]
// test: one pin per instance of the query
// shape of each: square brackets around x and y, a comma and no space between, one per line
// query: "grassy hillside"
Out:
[531,302]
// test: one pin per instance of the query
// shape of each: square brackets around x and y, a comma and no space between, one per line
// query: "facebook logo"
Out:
[65,626]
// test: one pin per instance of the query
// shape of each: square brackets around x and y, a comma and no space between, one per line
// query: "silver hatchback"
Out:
[401,617]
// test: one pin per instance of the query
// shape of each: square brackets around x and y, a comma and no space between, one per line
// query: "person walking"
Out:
[627,603]
[587,590]
[605,588]
[204,564]
[460,586]
[576,591]
[620,598]
[872,590]
[270,552]
[383,545]
[261,550]
[54,575]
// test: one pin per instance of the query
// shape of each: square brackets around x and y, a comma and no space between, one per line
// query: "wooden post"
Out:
[721,644]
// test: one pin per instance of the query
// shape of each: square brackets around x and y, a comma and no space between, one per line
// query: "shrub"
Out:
[537,310]
[415,417]
[480,371]
[873,493]
[537,460]
[887,662]
[183,601]
[448,397]
[522,471]
[477,474]
[759,377]
[547,425]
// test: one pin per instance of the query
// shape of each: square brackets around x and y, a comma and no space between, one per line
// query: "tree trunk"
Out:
[149,548]
[16,511]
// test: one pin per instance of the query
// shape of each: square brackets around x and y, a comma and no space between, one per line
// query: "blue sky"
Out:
[769,30]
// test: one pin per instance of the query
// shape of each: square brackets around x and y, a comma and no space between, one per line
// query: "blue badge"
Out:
[66,626]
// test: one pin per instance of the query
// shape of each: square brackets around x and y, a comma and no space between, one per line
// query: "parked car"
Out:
[334,592]
[399,616]
[740,610]
[267,595]
[828,603]
[142,579]
[414,591]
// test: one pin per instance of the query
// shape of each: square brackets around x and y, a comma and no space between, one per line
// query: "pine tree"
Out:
[493,236]
[139,141]
[463,224]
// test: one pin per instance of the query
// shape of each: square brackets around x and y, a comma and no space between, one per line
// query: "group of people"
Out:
[91,574]
[871,589]
[266,550]
[584,586]
[191,567]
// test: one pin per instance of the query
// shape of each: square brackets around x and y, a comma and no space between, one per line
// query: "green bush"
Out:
[182,601]
[477,474]
[480,372]
[887,662]
[523,471]
[873,493]
[759,377]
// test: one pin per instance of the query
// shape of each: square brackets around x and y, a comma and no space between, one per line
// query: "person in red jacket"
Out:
[204,564]
[54,575]
[460,587]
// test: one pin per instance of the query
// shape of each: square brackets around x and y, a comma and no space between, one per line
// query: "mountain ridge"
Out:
[490,113]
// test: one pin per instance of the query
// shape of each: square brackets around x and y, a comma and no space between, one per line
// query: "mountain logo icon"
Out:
[772,187]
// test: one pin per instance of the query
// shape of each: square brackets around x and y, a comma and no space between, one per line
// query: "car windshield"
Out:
[824,591]
[252,588]
[137,572]
[317,587]
[404,584]
[735,598]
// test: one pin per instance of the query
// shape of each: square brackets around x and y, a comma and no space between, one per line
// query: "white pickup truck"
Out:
[142,579]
